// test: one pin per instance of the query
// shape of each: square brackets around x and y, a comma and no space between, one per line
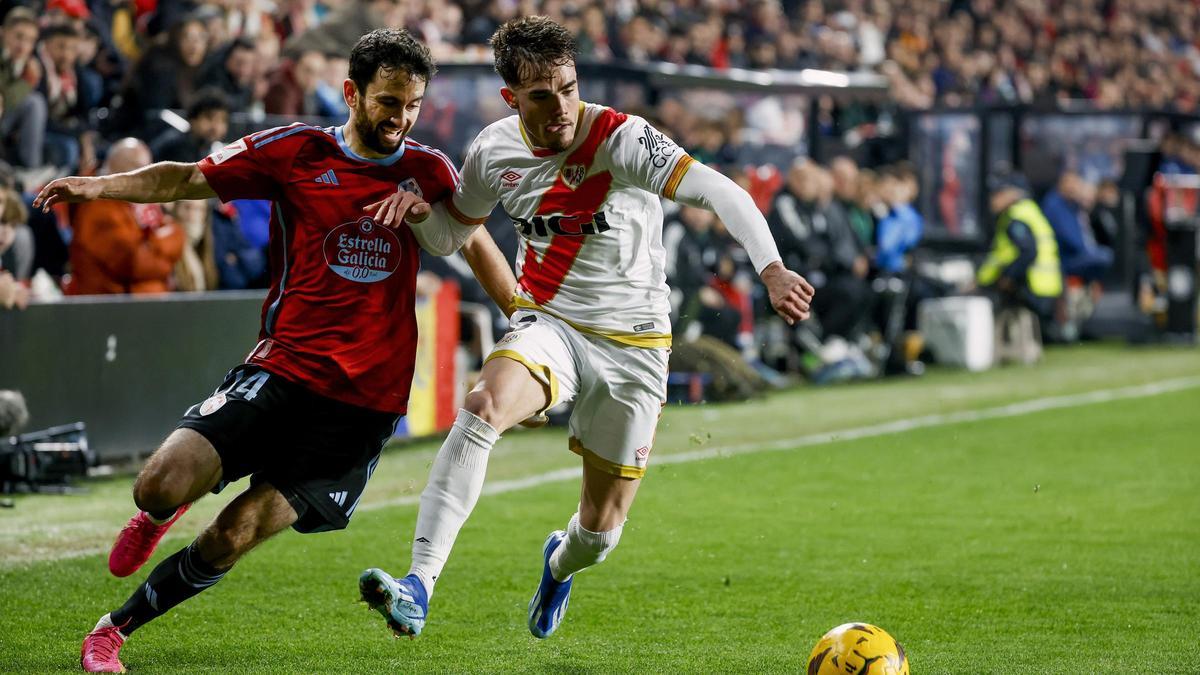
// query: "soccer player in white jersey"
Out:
[589,320]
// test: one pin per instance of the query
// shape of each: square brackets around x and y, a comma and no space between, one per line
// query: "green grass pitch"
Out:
[1064,540]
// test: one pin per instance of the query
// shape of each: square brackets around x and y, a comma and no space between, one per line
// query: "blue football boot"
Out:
[403,602]
[549,604]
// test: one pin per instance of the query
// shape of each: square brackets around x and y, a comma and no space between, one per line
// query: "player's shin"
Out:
[174,580]
[582,549]
[455,482]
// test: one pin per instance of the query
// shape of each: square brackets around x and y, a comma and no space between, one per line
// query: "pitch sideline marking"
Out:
[895,426]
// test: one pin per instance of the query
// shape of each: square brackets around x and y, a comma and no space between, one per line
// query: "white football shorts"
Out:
[619,390]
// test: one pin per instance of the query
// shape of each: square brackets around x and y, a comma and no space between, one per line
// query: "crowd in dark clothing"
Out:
[78,76]
[851,232]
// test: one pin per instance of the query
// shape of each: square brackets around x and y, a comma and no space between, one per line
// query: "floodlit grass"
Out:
[1063,541]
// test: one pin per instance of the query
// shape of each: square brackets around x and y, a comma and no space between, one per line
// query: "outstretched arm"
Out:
[437,231]
[705,188]
[161,182]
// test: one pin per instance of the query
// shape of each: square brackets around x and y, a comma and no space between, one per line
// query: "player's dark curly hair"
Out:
[393,50]
[530,47]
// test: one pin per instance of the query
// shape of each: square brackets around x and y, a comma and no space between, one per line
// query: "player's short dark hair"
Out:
[530,47]
[208,99]
[392,49]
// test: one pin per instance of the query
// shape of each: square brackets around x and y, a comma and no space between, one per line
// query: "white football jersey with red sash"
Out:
[589,217]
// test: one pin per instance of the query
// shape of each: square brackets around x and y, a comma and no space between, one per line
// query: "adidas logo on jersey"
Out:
[338,498]
[328,178]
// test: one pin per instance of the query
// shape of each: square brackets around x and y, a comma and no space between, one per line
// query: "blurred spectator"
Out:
[293,88]
[900,230]
[331,100]
[1067,207]
[815,239]
[163,77]
[71,91]
[1022,267]
[22,108]
[294,17]
[208,122]
[197,268]
[695,255]
[727,307]
[1106,214]
[13,293]
[848,188]
[339,31]
[241,263]
[232,70]
[16,240]
[119,247]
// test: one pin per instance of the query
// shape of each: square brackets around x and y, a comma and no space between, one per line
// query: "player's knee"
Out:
[482,404]
[158,491]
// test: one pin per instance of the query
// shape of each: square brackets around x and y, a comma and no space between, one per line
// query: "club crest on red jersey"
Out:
[361,251]
[573,175]
[410,185]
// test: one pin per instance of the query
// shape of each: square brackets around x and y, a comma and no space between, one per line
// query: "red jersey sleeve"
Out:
[255,166]
[439,176]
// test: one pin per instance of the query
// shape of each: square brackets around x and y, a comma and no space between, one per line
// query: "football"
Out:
[858,649]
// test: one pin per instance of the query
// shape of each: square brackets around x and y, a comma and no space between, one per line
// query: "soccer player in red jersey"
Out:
[308,413]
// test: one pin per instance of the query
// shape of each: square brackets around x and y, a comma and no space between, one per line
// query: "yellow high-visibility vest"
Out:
[1045,274]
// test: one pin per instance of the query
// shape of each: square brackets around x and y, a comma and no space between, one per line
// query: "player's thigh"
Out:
[531,369]
[244,420]
[250,519]
[617,410]
[183,468]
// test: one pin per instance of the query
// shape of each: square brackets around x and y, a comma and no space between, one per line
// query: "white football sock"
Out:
[582,549]
[455,482]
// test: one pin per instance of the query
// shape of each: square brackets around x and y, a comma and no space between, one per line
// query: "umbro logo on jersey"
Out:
[510,179]
[338,498]
[328,178]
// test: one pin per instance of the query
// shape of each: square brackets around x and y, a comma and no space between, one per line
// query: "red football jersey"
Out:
[339,316]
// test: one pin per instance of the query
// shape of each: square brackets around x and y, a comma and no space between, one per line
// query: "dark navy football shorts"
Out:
[318,452]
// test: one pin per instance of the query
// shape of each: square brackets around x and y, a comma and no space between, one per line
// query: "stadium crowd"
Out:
[83,85]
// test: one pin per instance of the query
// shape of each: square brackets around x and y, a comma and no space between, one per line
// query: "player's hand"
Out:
[67,190]
[791,295]
[401,205]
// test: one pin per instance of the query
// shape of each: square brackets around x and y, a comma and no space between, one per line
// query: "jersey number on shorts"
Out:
[249,387]
[542,278]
